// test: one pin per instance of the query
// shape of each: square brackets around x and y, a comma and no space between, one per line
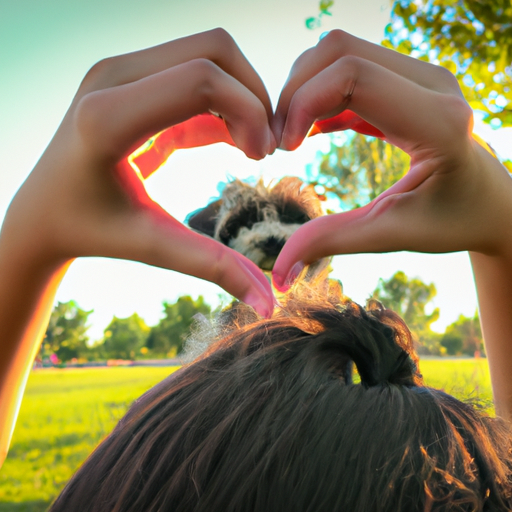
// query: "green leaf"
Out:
[312,23]
[508,165]
[445,31]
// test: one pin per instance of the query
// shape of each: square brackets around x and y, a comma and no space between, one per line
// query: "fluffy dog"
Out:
[257,220]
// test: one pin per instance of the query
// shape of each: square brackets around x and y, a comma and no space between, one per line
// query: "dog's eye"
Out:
[292,213]
[245,216]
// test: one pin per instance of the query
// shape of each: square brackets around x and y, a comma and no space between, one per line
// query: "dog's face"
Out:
[257,220]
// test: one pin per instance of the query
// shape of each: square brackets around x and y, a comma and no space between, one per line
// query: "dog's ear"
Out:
[297,201]
[205,219]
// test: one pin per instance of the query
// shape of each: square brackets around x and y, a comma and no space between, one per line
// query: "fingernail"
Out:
[257,274]
[277,128]
[272,143]
[281,141]
[284,285]
[258,303]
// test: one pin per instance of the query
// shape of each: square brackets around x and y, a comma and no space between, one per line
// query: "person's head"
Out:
[270,418]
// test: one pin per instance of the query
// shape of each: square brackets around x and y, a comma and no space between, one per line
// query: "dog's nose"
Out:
[272,245]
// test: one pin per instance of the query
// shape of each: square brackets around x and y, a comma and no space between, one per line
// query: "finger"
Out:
[370,229]
[155,238]
[418,213]
[314,240]
[390,102]
[215,45]
[338,44]
[117,120]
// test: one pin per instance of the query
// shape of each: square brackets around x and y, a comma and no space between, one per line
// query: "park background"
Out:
[45,50]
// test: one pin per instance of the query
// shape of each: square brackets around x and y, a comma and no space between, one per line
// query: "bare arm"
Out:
[493,278]
[27,292]
[84,199]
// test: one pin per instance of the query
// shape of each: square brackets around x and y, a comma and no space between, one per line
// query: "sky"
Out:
[47,47]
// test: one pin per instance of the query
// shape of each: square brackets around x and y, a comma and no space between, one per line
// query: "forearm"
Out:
[493,277]
[492,269]
[27,289]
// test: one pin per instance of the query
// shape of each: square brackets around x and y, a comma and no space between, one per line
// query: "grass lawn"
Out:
[63,416]
[66,412]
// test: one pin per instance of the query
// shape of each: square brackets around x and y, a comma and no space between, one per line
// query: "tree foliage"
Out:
[168,336]
[410,297]
[66,333]
[124,337]
[471,38]
[357,168]
[464,336]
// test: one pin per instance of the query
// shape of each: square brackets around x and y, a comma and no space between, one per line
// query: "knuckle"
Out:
[338,39]
[349,68]
[99,75]
[205,67]
[87,112]
[336,36]
[222,43]
[222,36]
[206,75]
[459,114]
[447,78]
[91,120]
[222,262]
[350,62]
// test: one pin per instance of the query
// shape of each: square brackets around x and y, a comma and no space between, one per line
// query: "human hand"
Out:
[85,199]
[454,196]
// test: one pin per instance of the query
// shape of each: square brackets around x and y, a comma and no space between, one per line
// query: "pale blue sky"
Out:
[46,48]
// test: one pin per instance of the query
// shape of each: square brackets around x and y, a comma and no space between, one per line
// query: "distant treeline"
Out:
[131,338]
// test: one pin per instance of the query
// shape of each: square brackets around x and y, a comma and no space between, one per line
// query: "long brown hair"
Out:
[270,418]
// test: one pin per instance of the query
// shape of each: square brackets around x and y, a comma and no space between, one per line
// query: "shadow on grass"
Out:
[26,506]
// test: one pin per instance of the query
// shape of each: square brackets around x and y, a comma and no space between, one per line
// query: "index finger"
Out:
[337,44]
[215,45]
[409,115]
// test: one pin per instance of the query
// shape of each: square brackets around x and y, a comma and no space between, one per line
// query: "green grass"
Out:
[466,379]
[65,413]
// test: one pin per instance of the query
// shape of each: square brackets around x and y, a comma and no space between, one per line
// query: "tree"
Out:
[471,38]
[168,336]
[452,343]
[409,297]
[467,332]
[124,337]
[357,168]
[66,333]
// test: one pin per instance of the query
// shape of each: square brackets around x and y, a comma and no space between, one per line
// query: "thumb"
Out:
[397,220]
[358,231]
[154,237]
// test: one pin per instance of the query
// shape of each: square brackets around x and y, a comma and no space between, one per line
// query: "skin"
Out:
[455,197]
[83,198]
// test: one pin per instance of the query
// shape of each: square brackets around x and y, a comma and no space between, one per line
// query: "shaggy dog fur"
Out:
[257,220]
